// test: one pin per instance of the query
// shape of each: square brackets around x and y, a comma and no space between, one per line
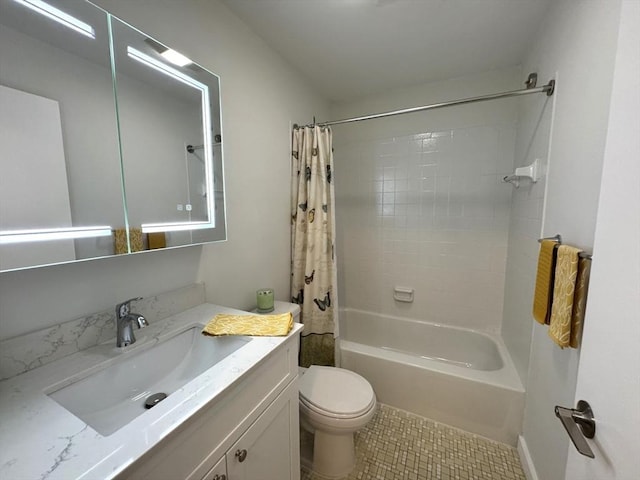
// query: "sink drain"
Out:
[153,400]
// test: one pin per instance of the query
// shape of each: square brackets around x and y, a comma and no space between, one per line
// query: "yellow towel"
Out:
[120,240]
[156,240]
[135,238]
[579,301]
[544,281]
[563,295]
[256,325]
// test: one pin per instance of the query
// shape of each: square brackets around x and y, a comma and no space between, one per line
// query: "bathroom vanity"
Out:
[235,419]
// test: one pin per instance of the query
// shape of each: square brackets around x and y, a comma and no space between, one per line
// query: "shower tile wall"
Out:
[426,210]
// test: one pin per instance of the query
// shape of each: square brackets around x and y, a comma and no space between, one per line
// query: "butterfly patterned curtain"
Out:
[313,268]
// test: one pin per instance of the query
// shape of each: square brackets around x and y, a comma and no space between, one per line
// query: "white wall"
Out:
[261,95]
[30,128]
[421,203]
[610,358]
[576,44]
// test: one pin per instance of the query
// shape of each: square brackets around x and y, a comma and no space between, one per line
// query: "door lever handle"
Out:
[579,423]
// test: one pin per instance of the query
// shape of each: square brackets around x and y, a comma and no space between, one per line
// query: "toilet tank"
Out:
[284,307]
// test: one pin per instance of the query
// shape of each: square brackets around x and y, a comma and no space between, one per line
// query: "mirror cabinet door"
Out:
[60,188]
[106,145]
[169,122]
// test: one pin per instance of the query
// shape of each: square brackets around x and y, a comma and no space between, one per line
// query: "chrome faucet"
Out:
[124,323]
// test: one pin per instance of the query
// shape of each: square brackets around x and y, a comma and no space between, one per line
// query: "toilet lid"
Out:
[336,391]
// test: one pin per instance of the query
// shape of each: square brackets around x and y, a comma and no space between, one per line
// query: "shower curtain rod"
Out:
[531,88]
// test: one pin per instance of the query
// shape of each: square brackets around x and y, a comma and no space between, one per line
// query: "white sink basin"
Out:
[110,398]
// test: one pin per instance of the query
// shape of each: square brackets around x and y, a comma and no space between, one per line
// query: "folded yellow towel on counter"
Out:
[254,325]
[544,281]
[563,295]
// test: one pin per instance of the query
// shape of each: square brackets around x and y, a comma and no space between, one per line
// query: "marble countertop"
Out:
[40,439]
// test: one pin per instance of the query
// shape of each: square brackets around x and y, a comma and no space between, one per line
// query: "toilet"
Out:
[334,404]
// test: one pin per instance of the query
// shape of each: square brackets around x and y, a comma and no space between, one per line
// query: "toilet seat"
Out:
[336,392]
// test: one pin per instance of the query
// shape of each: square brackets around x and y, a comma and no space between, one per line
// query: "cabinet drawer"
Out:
[196,445]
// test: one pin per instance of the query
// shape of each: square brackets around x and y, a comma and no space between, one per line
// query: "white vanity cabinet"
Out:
[248,432]
[263,451]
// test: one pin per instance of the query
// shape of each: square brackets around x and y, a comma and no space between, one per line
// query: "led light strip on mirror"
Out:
[59,16]
[40,235]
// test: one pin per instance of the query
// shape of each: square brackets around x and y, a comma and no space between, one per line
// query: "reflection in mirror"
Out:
[59,149]
[87,174]
[168,124]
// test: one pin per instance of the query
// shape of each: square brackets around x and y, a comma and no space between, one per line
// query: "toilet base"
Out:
[334,455]
[306,449]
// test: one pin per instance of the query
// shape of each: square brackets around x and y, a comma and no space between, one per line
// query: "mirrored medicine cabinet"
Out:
[110,141]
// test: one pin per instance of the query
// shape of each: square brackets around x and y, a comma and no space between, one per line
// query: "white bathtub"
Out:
[456,376]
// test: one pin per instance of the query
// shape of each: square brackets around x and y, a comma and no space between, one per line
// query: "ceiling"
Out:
[352,48]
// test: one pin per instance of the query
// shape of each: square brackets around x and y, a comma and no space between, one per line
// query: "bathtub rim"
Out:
[485,333]
[505,377]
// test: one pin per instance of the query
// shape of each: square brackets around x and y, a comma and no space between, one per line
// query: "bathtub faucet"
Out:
[124,323]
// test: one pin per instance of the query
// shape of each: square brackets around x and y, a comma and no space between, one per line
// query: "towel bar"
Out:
[558,238]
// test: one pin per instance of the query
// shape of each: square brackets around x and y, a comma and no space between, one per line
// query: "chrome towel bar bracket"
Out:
[558,238]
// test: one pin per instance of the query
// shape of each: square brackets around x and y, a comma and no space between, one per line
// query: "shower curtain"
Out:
[313,267]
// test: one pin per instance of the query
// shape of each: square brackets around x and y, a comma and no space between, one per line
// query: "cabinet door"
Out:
[218,472]
[269,449]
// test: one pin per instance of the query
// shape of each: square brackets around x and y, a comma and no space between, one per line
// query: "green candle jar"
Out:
[264,299]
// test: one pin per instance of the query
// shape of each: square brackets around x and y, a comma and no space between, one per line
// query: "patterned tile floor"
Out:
[397,445]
